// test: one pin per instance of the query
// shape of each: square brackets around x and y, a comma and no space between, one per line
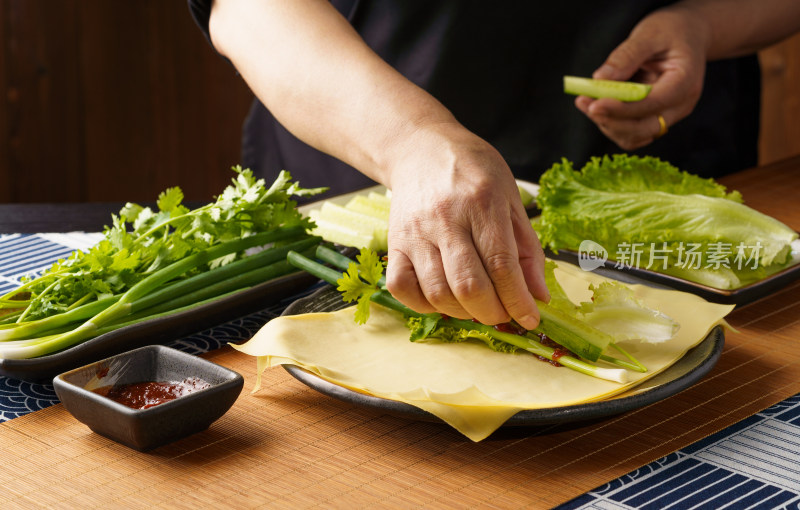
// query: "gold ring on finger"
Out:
[662,127]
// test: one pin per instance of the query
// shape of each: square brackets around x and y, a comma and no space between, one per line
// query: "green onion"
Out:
[149,297]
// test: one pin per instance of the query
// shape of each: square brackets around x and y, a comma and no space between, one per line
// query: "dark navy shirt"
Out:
[498,66]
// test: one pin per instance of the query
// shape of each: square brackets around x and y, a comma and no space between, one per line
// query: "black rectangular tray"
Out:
[739,296]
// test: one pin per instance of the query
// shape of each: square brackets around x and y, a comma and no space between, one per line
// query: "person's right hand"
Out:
[460,242]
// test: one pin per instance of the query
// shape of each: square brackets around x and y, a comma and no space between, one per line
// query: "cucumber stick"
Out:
[626,91]
[363,222]
[379,208]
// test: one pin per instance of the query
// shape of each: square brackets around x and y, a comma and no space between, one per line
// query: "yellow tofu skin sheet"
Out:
[467,385]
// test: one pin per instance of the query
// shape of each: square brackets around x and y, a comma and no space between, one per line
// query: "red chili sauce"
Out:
[558,350]
[507,327]
[143,395]
[514,329]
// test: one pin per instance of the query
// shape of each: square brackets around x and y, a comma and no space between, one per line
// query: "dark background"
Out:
[111,100]
[107,100]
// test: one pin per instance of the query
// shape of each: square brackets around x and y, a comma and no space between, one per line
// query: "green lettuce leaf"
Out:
[430,326]
[616,310]
[647,213]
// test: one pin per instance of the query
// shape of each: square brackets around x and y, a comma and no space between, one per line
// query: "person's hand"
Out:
[666,49]
[460,242]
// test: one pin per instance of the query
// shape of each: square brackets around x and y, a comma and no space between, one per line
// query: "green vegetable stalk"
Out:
[153,263]
[362,283]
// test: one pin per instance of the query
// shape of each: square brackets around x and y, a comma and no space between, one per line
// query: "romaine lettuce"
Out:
[613,310]
[616,310]
[648,213]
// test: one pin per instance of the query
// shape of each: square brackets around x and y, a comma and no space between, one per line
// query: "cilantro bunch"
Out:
[153,262]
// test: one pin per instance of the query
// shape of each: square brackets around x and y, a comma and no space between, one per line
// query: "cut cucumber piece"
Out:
[380,198]
[372,207]
[340,225]
[347,234]
[358,220]
[623,90]
[362,221]
[527,198]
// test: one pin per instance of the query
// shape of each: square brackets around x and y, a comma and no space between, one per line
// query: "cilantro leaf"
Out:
[360,282]
[141,240]
[170,199]
[370,266]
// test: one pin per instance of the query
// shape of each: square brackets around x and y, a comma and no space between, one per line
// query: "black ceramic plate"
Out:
[695,364]
[157,331]
[741,296]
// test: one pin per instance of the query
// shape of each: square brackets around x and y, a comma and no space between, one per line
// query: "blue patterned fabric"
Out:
[752,464]
[23,254]
[29,254]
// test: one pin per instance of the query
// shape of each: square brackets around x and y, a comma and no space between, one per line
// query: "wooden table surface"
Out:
[289,446]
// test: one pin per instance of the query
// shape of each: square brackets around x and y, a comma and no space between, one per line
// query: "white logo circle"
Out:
[591,255]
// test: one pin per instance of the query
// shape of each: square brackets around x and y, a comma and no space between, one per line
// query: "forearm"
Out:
[308,66]
[740,27]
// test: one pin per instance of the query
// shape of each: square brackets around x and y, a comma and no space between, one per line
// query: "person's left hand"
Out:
[666,49]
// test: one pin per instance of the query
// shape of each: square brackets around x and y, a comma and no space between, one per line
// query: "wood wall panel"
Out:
[168,113]
[108,100]
[5,176]
[42,151]
[111,100]
[780,103]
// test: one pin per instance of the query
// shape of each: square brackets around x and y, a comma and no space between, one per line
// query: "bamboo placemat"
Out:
[289,446]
